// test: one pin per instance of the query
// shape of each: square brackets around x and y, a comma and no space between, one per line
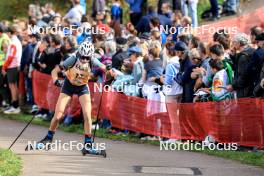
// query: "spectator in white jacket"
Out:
[75,14]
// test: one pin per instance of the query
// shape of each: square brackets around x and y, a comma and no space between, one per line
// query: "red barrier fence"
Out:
[240,121]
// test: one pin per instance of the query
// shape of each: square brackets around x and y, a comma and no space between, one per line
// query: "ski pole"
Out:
[21,132]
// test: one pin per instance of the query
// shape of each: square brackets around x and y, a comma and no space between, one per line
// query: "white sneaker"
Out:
[208,140]
[12,110]
[44,116]
[39,115]
[172,141]
[97,127]
[150,138]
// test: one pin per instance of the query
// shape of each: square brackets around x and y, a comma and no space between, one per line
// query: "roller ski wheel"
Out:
[93,152]
[44,144]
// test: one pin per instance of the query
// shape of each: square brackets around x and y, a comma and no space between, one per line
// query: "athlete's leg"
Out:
[85,101]
[62,102]
[59,110]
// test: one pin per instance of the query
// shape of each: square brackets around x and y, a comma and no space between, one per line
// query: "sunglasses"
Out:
[85,58]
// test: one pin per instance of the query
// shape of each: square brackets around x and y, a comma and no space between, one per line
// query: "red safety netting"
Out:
[240,121]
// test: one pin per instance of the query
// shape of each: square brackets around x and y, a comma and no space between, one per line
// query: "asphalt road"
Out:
[123,158]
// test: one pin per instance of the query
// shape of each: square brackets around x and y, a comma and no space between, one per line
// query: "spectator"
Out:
[98,7]
[166,9]
[257,63]
[173,90]
[51,55]
[152,71]
[48,13]
[184,76]
[75,14]
[190,6]
[176,5]
[218,91]
[69,47]
[130,82]
[242,83]
[11,67]
[4,42]
[203,69]
[34,11]
[121,53]
[217,52]
[230,7]
[214,10]
[28,48]
[117,11]
[144,23]
[254,32]
[135,10]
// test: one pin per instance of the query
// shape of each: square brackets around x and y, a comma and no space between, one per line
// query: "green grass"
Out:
[10,164]
[252,158]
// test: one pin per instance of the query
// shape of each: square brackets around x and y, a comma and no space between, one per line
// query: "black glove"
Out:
[58,83]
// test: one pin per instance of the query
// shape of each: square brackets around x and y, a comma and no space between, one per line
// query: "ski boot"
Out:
[44,144]
[88,149]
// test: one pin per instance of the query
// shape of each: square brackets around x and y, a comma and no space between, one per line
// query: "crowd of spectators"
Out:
[137,57]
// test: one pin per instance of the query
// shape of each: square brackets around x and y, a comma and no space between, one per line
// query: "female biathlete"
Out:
[78,72]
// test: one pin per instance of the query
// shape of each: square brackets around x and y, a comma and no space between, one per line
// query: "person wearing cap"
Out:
[243,83]
[11,68]
[184,76]
[135,55]
[258,56]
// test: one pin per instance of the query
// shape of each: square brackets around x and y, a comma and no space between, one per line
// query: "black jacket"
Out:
[118,58]
[243,83]
[258,90]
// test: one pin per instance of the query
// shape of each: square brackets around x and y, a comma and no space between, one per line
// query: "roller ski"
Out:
[89,150]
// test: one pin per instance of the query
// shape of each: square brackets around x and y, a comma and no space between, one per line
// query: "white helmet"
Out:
[86,49]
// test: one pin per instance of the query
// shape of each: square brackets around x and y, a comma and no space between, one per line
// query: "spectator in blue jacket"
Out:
[135,10]
[117,11]
[144,23]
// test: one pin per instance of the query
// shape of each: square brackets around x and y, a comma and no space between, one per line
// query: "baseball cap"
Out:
[134,49]
[180,46]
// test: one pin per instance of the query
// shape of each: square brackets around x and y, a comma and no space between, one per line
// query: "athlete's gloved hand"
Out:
[58,83]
